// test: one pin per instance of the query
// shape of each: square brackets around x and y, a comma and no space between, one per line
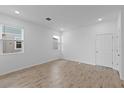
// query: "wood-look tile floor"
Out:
[62,74]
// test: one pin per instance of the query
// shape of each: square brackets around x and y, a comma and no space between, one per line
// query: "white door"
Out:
[116,52]
[104,50]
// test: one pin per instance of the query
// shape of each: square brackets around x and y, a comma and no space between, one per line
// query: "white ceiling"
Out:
[63,16]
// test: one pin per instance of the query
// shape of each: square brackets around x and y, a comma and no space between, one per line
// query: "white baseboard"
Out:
[21,68]
[51,60]
[80,61]
[85,62]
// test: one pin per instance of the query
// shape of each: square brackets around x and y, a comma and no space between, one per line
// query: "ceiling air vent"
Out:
[48,19]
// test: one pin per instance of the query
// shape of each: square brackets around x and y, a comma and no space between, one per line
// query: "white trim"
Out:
[120,45]
[28,66]
[79,61]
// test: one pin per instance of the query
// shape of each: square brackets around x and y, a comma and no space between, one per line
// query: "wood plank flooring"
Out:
[62,74]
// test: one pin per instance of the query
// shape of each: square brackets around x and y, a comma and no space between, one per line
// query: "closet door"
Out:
[104,50]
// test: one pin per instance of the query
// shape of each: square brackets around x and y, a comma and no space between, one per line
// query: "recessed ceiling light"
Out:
[54,36]
[17,12]
[99,19]
[61,29]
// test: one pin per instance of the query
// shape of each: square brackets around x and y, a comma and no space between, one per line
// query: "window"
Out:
[18,44]
[11,39]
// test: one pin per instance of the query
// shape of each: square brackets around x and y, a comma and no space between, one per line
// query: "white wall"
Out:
[79,44]
[122,44]
[37,46]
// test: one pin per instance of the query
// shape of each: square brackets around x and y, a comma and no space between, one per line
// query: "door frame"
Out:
[112,46]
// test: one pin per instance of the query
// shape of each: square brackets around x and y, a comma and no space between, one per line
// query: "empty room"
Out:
[61,46]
